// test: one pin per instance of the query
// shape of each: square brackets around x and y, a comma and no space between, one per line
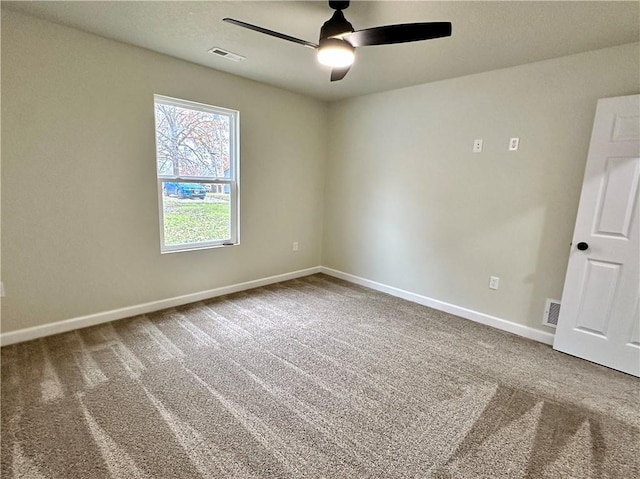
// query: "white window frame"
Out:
[233,181]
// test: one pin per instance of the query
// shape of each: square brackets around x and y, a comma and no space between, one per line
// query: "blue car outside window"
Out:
[185,190]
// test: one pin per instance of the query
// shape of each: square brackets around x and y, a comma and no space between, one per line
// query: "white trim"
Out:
[66,325]
[482,318]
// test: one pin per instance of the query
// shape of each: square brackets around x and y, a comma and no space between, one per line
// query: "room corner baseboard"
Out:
[64,326]
[482,318]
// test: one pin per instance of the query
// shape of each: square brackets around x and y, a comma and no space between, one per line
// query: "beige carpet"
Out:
[306,379]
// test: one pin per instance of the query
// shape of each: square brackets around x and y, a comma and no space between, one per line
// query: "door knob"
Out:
[582,246]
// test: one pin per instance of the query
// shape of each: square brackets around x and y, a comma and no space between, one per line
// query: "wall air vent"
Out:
[226,54]
[551,313]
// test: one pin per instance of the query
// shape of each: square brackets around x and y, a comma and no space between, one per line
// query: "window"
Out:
[197,165]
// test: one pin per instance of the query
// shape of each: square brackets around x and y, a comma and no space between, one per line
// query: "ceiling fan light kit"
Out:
[336,53]
[338,40]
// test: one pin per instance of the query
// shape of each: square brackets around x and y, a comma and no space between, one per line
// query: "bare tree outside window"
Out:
[191,143]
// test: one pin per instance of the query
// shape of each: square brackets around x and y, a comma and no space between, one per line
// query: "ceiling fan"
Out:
[338,39]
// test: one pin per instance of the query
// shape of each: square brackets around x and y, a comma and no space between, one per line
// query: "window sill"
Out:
[199,248]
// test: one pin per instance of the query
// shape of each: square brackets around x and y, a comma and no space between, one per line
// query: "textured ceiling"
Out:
[486,36]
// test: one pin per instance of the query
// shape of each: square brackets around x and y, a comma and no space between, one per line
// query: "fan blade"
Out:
[270,32]
[402,33]
[339,73]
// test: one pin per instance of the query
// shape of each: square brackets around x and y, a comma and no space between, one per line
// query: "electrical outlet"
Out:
[295,246]
[494,282]
[513,144]
[477,145]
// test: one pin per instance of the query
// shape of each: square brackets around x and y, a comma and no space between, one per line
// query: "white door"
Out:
[599,317]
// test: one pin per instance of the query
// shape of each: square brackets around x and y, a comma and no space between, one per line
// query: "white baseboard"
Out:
[36,332]
[493,321]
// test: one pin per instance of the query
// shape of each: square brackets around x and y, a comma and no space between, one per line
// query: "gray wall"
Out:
[80,231]
[408,204]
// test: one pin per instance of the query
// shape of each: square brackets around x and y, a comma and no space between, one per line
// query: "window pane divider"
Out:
[177,179]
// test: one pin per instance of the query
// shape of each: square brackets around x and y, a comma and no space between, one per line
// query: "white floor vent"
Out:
[551,313]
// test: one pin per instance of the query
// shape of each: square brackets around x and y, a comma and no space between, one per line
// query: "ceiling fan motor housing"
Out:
[336,26]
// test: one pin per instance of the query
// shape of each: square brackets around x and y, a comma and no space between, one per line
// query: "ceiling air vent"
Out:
[224,53]
[551,313]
